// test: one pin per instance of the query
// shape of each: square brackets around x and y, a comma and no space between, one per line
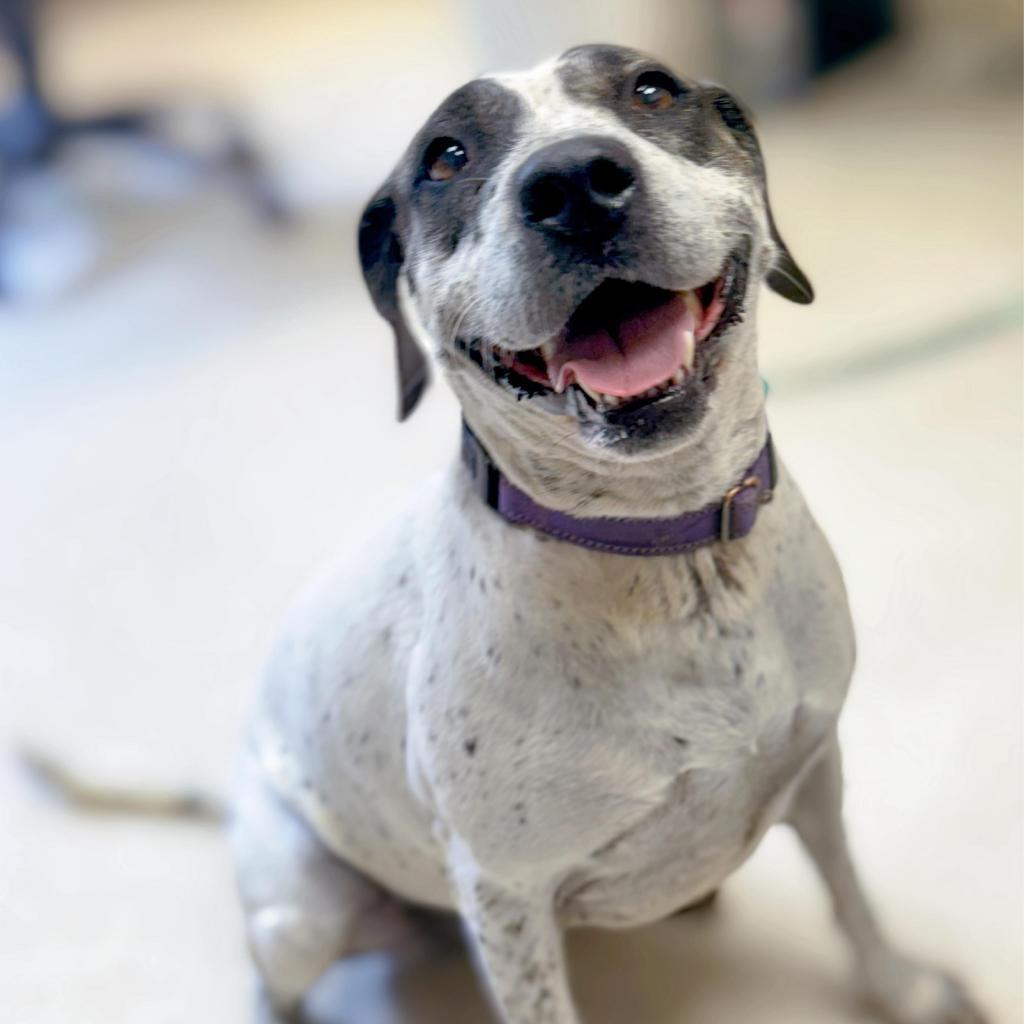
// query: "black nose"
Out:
[579,189]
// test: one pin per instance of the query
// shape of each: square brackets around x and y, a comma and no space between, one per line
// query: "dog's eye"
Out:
[444,159]
[654,90]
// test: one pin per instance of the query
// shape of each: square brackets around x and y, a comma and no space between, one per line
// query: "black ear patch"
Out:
[380,252]
[732,112]
[785,277]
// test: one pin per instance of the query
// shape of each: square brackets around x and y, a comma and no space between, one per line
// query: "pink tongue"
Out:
[647,350]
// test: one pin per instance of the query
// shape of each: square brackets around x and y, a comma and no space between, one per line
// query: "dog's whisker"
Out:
[559,441]
[470,306]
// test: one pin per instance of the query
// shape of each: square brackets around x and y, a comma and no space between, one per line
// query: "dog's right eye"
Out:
[654,90]
[444,159]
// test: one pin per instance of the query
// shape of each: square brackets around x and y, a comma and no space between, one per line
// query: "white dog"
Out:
[583,672]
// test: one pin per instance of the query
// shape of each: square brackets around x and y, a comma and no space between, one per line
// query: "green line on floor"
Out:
[898,353]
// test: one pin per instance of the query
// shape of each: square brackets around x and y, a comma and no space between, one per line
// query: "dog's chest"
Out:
[638,762]
[668,783]
[721,758]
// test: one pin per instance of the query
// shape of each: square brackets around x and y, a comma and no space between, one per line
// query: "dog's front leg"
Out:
[903,990]
[518,947]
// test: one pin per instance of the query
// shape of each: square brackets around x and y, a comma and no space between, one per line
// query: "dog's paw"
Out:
[906,992]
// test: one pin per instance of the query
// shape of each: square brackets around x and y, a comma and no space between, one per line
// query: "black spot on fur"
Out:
[470,747]
[484,116]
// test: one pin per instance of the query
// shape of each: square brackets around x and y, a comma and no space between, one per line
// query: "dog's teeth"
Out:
[693,305]
[595,395]
[547,350]
[679,376]
[689,348]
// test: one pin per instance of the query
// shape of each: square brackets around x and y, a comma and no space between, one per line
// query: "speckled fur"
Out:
[471,716]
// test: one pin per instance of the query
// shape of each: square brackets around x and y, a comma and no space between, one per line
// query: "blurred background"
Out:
[196,409]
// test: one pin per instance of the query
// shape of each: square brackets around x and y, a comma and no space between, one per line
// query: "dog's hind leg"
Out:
[901,989]
[304,908]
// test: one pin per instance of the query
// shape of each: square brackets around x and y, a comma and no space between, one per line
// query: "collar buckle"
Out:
[752,483]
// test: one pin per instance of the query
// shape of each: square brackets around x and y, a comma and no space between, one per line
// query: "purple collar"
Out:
[732,517]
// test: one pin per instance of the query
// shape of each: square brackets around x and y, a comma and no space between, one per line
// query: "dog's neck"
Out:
[545,457]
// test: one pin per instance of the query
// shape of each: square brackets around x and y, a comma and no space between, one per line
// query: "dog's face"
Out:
[580,241]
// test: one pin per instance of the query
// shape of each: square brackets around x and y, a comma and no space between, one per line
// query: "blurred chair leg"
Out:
[7,179]
[246,167]
[235,156]
[32,133]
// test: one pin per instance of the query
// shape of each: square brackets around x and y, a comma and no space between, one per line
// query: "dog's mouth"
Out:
[628,344]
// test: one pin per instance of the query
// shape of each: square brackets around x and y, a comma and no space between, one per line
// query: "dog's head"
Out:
[579,241]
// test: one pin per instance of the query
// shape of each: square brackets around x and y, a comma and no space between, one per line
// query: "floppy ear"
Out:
[784,276]
[380,253]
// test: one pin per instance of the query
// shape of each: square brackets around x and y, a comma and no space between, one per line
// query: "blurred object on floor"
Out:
[34,133]
[518,35]
[841,29]
[766,47]
[773,48]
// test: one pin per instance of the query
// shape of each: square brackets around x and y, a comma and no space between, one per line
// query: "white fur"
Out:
[702,210]
[471,716]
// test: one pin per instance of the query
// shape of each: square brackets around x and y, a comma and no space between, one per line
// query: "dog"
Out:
[582,673]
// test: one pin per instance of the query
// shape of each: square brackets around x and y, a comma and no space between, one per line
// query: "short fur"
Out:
[473,717]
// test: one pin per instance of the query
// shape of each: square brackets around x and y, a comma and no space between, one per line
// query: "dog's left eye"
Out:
[654,90]
[444,159]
